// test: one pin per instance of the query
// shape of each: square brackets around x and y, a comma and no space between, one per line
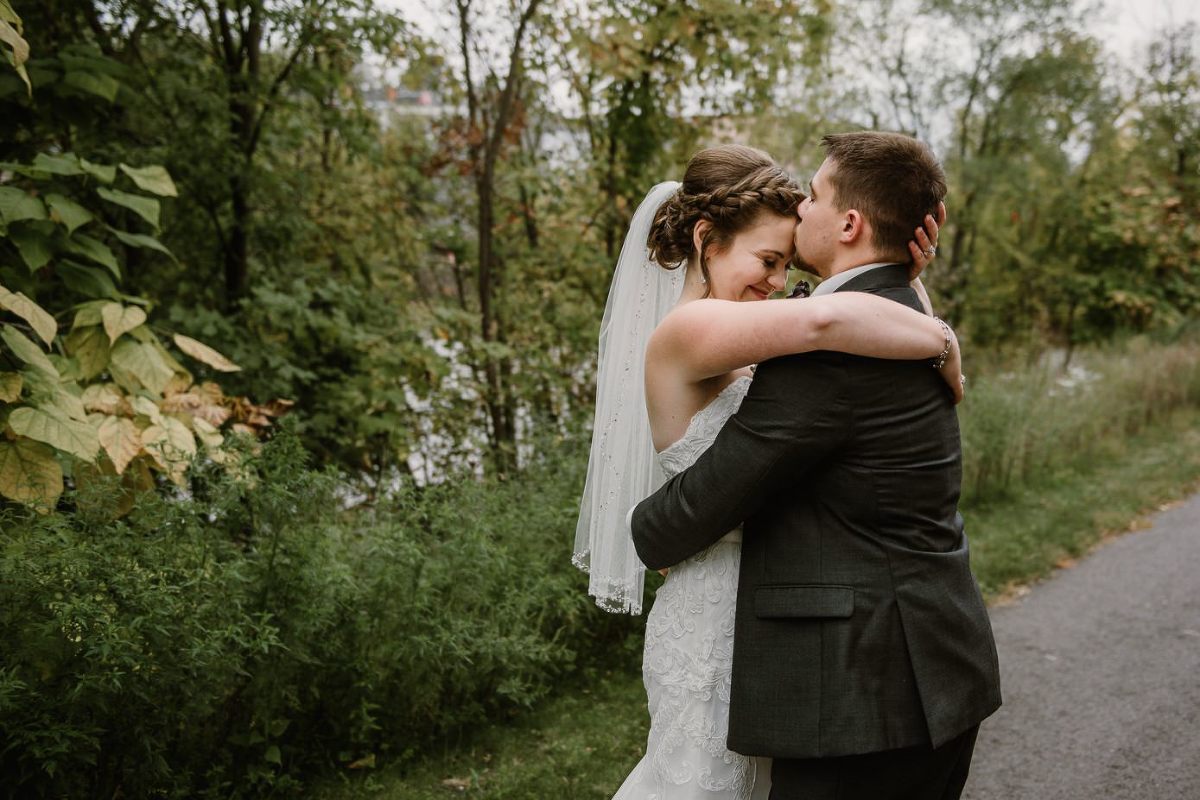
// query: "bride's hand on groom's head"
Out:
[923,245]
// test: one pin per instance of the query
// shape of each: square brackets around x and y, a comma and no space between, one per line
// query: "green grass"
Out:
[581,745]
[1050,523]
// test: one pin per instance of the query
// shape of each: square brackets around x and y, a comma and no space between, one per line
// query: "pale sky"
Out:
[1126,28]
[1126,25]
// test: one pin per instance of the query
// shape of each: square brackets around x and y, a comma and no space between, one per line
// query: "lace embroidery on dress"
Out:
[688,655]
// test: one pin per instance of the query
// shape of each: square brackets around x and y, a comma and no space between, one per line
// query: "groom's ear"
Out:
[854,227]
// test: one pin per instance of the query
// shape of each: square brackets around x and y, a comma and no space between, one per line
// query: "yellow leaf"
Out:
[205,354]
[147,408]
[30,474]
[26,350]
[89,314]
[66,404]
[141,361]
[105,398]
[89,346]
[207,434]
[10,386]
[121,439]
[171,445]
[56,429]
[198,406]
[120,319]
[43,324]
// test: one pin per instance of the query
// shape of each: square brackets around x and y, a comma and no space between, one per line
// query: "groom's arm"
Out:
[794,415]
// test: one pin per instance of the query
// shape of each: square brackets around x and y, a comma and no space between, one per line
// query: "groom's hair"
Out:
[892,179]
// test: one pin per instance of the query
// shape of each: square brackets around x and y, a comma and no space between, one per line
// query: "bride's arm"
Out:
[705,338]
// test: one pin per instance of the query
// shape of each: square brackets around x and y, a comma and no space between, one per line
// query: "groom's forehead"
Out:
[821,173]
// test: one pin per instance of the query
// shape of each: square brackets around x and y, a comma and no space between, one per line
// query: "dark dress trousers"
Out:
[860,627]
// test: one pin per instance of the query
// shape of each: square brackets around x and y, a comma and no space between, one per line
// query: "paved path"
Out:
[1101,676]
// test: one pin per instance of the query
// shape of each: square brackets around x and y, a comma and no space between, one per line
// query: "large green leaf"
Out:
[26,350]
[102,172]
[34,242]
[65,403]
[88,281]
[17,204]
[145,207]
[93,83]
[141,240]
[65,164]
[120,319]
[83,245]
[30,474]
[43,324]
[142,362]
[68,212]
[90,347]
[88,313]
[153,179]
[51,426]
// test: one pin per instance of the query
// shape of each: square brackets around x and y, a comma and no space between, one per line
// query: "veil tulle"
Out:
[622,468]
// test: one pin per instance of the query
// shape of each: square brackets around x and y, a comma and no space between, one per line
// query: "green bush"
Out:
[225,642]
[1020,422]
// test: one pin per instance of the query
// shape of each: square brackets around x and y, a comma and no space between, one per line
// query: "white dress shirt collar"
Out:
[834,282]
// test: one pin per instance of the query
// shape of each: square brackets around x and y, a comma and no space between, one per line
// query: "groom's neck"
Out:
[859,259]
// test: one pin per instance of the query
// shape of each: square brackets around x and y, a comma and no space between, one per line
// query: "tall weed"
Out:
[1018,423]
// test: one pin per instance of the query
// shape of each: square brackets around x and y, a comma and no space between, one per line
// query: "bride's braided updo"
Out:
[730,186]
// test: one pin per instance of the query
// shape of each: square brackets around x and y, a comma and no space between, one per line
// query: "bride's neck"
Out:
[694,286]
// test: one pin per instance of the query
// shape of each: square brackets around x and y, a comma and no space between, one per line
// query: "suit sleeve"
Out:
[794,415]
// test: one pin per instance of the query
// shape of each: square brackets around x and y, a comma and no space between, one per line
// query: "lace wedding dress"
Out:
[689,653]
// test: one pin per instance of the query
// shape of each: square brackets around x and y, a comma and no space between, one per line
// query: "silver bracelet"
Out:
[940,360]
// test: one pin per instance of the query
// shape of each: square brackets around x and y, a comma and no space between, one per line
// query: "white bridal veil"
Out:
[622,469]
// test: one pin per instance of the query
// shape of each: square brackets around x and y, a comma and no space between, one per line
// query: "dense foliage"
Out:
[406,225]
[225,643]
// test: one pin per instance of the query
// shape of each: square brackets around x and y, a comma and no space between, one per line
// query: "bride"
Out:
[677,349]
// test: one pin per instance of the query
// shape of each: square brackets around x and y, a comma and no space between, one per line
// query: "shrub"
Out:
[224,642]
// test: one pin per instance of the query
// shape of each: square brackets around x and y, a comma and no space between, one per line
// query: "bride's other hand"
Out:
[952,372]
[923,245]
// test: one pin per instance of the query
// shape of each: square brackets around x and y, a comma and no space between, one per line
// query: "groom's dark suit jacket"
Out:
[860,627]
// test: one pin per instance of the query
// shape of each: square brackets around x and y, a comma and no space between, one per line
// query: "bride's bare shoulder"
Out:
[684,323]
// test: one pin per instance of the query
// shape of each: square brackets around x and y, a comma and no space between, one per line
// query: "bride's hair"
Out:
[730,186]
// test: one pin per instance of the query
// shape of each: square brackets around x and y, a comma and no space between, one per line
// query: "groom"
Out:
[863,655]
